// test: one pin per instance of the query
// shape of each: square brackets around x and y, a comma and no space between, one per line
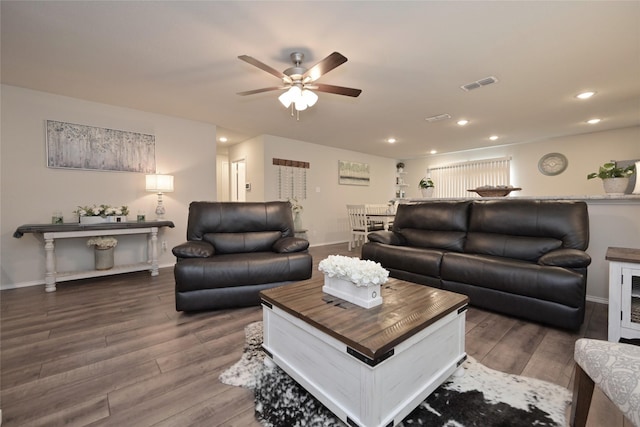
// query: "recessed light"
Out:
[463,122]
[223,139]
[391,140]
[493,137]
[593,121]
[433,152]
[585,95]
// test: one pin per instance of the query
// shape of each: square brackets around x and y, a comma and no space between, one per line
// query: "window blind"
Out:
[455,179]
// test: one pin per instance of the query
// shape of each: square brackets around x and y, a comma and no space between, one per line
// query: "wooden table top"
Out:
[406,309]
[623,255]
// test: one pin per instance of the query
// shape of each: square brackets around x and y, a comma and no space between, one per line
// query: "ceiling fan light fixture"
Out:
[309,97]
[285,99]
[301,105]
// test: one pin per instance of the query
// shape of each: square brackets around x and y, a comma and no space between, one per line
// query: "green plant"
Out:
[610,170]
[426,183]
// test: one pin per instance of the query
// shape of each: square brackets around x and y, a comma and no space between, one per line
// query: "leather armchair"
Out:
[234,251]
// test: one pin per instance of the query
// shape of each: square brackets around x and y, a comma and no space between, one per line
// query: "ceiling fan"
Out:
[299,81]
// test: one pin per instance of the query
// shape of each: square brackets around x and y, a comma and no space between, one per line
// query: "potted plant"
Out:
[426,187]
[614,179]
[400,166]
[103,251]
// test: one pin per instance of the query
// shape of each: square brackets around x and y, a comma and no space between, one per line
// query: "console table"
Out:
[624,293]
[50,232]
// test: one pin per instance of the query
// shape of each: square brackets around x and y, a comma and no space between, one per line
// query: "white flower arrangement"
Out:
[102,210]
[102,242]
[296,207]
[362,273]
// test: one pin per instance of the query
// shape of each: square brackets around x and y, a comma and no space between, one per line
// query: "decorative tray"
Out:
[494,191]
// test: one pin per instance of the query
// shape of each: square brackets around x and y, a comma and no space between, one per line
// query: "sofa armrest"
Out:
[568,258]
[194,249]
[386,237]
[290,244]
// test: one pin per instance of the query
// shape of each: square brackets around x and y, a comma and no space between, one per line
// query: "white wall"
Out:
[585,154]
[252,152]
[31,191]
[325,214]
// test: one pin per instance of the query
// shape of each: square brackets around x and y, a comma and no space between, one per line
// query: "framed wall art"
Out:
[353,173]
[73,146]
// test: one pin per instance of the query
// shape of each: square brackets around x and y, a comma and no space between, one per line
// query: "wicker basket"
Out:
[495,192]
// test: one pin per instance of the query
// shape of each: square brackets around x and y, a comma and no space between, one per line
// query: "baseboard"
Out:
[598,300]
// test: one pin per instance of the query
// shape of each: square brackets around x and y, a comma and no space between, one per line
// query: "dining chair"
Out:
[358,223]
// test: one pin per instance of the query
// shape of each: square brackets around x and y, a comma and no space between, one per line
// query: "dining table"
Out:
[385,218]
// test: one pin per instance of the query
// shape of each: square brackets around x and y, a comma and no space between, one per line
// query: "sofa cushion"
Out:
[515,277]
[517,247]
[415,260]
[193,250]
[290,244]
[229,243]
[437,225]
[567,221]
[231,270]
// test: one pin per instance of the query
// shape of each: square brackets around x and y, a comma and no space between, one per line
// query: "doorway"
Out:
[238,181]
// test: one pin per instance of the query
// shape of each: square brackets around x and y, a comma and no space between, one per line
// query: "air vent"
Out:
[479,83]
[438,117]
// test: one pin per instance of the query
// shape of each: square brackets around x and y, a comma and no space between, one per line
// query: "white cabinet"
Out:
[624,293]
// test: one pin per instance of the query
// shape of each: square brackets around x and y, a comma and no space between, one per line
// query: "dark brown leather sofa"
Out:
[524,258]
[235,250]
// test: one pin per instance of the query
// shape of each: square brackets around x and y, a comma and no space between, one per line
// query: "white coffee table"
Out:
[370,367]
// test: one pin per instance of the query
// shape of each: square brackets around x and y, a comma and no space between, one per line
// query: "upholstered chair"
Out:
[615,369]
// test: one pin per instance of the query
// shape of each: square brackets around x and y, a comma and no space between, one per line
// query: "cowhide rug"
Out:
[481,397]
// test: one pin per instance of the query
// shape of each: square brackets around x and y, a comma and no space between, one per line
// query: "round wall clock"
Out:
[552,164]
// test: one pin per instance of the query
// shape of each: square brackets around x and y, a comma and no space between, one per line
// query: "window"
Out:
[454,180]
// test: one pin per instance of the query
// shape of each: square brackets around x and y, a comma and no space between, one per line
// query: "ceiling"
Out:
[409,58]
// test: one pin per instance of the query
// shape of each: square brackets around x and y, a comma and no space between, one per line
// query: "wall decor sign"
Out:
[353,173]
[73,146]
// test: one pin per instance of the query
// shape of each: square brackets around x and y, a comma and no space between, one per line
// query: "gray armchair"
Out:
[234,251]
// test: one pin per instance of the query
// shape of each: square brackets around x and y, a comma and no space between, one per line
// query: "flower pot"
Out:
[364,296]
[93,219]
[427,192]
[103,258]
[615,186]
[297,221]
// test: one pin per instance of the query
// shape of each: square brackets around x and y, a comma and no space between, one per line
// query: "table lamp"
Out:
[159,184]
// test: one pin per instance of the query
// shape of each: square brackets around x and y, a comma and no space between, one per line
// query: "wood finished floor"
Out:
[114,352]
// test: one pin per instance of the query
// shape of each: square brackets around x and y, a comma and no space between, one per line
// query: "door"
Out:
[238,181]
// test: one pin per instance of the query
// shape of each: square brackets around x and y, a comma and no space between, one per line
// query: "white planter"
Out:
[104,258]
[427,192]
[93,220]
[615,186]
[366,297]
[120,218]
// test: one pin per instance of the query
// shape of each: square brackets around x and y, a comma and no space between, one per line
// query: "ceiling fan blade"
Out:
[265,89]
[338,90]
[264,67]
[323,67]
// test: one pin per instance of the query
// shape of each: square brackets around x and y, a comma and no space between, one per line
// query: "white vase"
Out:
[366,297]
[103,258]
[93,220]
[615,186]
[636,189]
[297,221]
[427,192]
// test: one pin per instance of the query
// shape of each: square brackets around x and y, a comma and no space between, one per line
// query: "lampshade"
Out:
[301,98]
[159,183]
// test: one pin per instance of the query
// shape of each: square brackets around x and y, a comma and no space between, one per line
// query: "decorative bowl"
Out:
[495,192]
